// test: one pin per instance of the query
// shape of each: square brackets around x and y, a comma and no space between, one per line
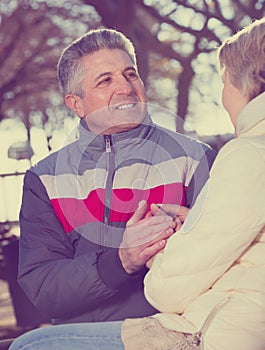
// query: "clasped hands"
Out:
[146,234]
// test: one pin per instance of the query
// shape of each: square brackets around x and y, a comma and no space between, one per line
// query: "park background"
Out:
[175,44]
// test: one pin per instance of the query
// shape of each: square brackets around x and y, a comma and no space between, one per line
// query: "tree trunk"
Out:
[183,86]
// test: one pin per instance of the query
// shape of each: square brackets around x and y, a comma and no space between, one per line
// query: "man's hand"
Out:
[143,238]
[177,212]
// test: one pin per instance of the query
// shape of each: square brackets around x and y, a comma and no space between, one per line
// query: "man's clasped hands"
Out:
[147,232]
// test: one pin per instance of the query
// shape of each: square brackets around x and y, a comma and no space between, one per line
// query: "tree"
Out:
[173,39]
[173,31]
[32,37]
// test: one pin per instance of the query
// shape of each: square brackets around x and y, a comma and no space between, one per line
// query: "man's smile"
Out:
[125,106]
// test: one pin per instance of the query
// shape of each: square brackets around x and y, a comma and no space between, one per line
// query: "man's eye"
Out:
[132,75]
[104,81]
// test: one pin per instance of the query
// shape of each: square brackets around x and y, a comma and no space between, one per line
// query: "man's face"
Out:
[114,97]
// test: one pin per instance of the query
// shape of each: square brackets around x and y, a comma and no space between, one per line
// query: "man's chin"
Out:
[122,127]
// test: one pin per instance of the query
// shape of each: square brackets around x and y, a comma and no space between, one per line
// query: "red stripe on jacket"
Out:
[73,212]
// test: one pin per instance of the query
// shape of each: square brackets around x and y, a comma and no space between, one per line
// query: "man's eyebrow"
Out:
[102,75]
[130,68]
[107,74]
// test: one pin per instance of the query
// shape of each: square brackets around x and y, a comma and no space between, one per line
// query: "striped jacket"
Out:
[76,203]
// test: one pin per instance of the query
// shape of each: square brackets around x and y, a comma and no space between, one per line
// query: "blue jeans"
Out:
[77,336]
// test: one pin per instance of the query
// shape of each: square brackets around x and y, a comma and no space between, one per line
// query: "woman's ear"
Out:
[75,103]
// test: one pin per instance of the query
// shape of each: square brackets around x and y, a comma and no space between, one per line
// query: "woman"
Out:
[209,283]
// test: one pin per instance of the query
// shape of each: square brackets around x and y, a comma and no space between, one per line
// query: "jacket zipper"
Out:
[108,143]
[199,336]
[109,182]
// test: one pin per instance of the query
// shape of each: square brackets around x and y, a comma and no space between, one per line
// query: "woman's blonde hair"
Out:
[243,56]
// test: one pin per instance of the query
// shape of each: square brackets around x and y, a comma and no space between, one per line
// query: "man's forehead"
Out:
[107,60]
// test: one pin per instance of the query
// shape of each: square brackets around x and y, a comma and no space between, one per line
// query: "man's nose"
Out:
[123,86]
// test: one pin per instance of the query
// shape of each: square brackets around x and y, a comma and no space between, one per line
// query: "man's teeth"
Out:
[129,105]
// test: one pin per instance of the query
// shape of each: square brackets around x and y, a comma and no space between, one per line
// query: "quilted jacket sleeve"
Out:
[58,282]
[226,218]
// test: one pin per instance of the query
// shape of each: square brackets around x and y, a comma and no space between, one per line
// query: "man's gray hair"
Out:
[70,69]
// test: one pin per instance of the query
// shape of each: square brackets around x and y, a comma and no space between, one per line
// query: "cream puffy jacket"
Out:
[210,279]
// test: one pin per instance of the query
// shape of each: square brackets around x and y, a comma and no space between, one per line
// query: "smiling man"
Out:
[86,234]
[113,97]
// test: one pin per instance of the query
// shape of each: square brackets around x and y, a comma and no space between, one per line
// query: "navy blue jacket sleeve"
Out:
[55,280]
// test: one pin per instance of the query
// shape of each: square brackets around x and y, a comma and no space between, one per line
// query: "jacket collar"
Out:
[252,117]
[97,142]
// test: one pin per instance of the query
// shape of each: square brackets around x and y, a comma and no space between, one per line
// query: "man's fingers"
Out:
[149,233]
[178,223]
[152,250]
[149,263]
[171,209]
[150,223]
[134,259]
[155,209]
[139,213]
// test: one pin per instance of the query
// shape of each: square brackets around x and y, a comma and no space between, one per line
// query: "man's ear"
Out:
[75,103]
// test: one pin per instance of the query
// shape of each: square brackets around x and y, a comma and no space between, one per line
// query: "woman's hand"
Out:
[177,212]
